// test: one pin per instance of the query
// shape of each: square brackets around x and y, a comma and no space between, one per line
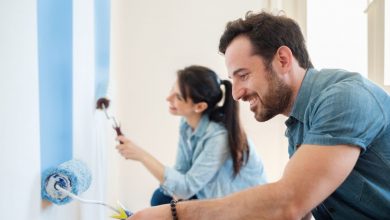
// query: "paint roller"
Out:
[63,183]
[103,104]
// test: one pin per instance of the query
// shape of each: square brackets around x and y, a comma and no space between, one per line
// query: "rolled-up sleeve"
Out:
[339,117]
[214,152]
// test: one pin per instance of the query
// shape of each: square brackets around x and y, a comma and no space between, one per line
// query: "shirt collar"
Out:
[303,97]
[201,128]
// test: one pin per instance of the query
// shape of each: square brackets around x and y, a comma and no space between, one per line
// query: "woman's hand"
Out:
[129,150]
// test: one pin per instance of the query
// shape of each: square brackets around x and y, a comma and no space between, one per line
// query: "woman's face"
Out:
[177,104]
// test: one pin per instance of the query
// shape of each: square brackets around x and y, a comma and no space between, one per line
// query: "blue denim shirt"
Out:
[338,107]
[204,166]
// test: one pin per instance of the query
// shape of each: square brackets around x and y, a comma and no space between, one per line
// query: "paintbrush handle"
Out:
[118,132]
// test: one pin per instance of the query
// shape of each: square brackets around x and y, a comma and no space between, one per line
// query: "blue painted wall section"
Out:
[102,47]
[55,81]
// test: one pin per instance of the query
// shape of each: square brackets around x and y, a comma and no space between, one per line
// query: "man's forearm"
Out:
[311,175]
[273,204]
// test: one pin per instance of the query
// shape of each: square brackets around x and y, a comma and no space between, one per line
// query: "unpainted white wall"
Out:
[377,25]
[19,112]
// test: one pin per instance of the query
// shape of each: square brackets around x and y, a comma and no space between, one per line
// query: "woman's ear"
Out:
[200,107]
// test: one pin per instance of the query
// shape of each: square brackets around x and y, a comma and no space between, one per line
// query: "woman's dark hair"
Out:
[267,33]
[201,84]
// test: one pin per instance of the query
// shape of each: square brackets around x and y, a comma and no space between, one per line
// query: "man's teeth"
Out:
[252,101]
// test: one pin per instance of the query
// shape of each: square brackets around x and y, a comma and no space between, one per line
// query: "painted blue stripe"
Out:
[55,81]
[102,47]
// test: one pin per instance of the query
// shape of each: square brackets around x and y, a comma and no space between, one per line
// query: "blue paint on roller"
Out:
[73,176]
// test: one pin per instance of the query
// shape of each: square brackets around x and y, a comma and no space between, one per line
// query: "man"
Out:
[338,129]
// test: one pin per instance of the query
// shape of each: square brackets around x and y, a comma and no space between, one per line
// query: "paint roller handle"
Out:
[118,132]
[128,213]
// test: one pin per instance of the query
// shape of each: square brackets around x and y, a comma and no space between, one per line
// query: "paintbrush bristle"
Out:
[102,103]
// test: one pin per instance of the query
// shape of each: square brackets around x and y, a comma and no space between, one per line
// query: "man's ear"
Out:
[200,107]
[283,59]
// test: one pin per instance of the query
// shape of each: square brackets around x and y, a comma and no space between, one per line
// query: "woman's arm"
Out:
[131,151]
[210,155]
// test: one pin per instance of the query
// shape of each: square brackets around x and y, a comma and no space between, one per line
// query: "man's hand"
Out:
[162,212]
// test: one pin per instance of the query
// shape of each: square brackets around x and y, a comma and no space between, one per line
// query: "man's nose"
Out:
[237,92]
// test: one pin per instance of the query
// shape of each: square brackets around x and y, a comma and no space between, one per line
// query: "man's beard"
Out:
[277,99]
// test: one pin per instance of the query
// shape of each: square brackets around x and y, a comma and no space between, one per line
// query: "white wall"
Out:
[151,40]
[337,34]
[19,115]
[378,23]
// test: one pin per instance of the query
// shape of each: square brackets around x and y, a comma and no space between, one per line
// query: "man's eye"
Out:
[244,76]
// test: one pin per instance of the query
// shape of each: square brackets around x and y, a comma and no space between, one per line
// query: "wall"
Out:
[19,112]
[151,40]
[22,91]
[83,44]
[376,42]
[339,40]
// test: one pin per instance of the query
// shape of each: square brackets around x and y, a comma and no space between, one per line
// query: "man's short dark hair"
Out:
[267,33]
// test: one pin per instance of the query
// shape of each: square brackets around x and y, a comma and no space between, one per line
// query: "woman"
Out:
[214,156]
